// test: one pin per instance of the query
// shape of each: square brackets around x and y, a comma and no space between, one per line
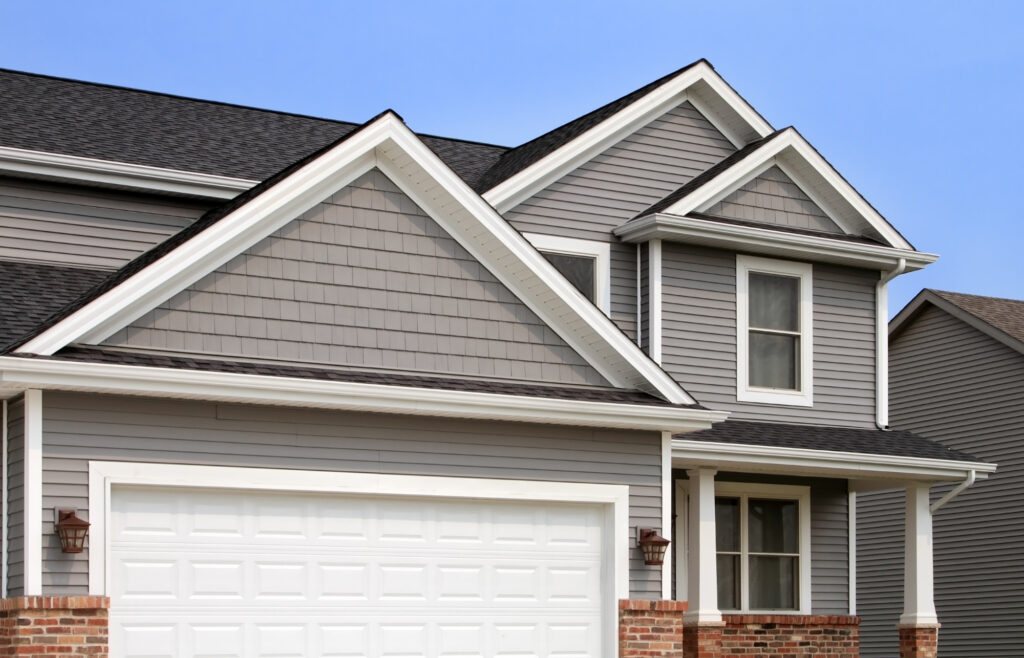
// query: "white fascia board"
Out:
[797,461]
[770,242]
[564,159]
[119,175]
[44,374]
[791,144]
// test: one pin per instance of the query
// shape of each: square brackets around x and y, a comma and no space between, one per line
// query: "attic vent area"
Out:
[579,270]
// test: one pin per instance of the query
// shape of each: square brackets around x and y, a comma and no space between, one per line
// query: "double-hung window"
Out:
[774,356]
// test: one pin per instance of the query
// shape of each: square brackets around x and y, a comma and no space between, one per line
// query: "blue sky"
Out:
[916,103]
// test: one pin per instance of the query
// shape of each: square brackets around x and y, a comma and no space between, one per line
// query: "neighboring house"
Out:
[326,388]
[956,365]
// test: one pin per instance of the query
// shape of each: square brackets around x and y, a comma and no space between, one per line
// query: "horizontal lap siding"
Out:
[79,428]
[699,342]
[614,186]
[15,498]
[86,227]
[954,384]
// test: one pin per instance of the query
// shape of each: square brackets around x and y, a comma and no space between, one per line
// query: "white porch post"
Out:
[918,588]
[702,574]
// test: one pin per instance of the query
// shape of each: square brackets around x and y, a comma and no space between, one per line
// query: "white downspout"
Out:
[954,492]
[882,344]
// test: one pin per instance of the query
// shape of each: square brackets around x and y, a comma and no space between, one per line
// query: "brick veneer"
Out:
[791,636]
[919,641]
[702,639]
[651,628]
[54,626]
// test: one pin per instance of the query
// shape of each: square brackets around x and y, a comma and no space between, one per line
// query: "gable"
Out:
[364,279]
[773,198]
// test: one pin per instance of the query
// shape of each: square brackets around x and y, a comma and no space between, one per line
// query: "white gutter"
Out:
[882,343]
[953,493]
[17,374]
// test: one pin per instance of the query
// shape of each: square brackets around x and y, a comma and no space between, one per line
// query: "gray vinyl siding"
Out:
[68,225]
[699,338]
[955,384]
[830,540]
[15,498]
[773,198]
[79,428]
[645,293]
[363,279]
[614,186]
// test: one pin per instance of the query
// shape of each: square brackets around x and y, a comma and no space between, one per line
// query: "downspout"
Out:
[953,493]
[882,343]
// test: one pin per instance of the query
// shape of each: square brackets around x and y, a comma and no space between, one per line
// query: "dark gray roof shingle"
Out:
[895,443]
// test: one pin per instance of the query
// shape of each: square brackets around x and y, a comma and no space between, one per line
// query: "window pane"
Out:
[773,526]
[579,270]
[774,302]
[773,583]
[729,582]
[727,524]
[773,361]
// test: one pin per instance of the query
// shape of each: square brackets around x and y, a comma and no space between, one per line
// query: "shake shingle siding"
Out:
[773,198]
[615,185]
[955,384]
[79,428]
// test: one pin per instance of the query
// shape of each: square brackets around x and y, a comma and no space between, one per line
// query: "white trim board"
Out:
[119,175]
[716,97]
[32,503]
[388,144]
[18,374]
[103,476]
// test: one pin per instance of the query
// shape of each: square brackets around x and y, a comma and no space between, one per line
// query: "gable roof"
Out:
[385,143]
[1000,318]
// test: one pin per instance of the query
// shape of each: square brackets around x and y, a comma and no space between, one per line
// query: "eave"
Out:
[692,230]
[19,374]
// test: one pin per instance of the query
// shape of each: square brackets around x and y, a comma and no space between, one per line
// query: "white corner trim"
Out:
[654,299]
[666,513]
[748,458]
[851,551]
[770,242]
[804,272]
[599,251]
[556,164]
[120,175]
[104,475]
[19,374]
[33,493]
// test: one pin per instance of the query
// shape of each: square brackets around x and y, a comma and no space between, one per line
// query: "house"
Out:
[956,375]
[327,388]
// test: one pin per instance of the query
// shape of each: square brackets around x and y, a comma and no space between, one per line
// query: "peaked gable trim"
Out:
[726,109]
[788,150]
[927,297]
[385,143]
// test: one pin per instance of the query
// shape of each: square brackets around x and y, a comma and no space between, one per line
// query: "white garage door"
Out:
[240,573]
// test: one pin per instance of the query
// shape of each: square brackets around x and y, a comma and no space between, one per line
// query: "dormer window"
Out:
[583,263]
[774,319]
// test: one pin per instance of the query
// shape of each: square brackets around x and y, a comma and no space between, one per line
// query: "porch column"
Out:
[702,574]
[919,623]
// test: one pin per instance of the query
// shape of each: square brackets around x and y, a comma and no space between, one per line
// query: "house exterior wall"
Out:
[15,495]
[79,428]
[619,183]
[363,279]
[699,338]
[86,227]
[954,384]
[773,198]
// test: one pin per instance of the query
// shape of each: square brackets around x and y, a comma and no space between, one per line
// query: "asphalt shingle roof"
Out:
[896,443]
[1006,315]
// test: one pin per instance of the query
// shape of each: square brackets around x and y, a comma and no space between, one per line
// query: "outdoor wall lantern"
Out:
[71,530]
[652,545]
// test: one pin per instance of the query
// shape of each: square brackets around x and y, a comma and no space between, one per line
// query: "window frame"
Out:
[744,491]
[804,272]
[599,251]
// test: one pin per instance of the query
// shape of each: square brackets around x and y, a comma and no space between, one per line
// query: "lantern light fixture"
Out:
[652,545]
[71,530]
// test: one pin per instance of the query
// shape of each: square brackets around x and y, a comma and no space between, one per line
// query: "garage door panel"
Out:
[223,573]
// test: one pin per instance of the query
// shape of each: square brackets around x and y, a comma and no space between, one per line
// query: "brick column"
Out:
[650,628]
[702,639]
[919,641]
[51,626]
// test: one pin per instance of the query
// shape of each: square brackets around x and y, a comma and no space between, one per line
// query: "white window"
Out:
[584,263]
[774,346]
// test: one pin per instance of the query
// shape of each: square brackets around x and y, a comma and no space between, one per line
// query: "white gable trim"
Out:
[388,144]
[119,175]
[792,152]
[739,120]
